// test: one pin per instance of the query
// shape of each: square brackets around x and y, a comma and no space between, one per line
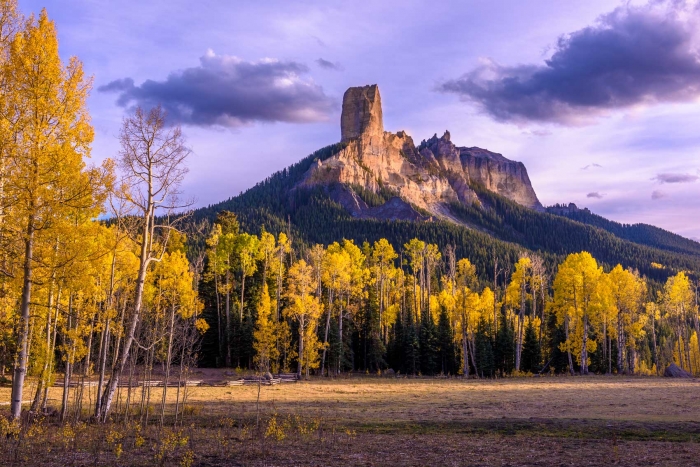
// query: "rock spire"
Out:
[362,113]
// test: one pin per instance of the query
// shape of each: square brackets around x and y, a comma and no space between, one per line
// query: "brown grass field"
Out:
[367,421]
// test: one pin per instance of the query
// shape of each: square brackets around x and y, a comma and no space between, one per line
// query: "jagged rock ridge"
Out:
[430,177]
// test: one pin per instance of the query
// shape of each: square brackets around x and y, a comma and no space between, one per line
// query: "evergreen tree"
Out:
[428,343]
[485,359]
[505,345]
[448,361]
[532,355]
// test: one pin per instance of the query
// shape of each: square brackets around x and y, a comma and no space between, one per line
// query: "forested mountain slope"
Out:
[644,234]
[494,226]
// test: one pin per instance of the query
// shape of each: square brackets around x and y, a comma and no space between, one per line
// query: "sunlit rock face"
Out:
[431,177]
[362,113]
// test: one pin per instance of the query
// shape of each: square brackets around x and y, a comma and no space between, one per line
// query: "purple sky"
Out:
[599,99]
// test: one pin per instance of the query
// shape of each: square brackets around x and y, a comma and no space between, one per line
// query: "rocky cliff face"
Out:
[431,176]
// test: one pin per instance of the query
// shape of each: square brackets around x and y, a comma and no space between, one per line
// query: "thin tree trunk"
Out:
[653,336]
[568,346]
[328,326]
[23,357]
[167,364]
[53,348]
[301,347]
[242,296]
[218,318]
[228,320]
[44,380]
[140,283]
[584,347]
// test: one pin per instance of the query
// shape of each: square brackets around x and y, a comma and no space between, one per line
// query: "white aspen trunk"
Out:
[301,347]
[465,352]
[568,347]
[328,326]
[340,337]
[620,340]
[218,318]
[584,347]
[53,348]
[228,320]
[138,298]
[242,295]
[23,356]
[653,336]
[44,380]
[167,364]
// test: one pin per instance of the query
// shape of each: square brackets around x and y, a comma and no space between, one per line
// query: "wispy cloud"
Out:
[595,194]
[328,65]
[657,194]
[592,166]
[675,178]
[227,91]
[632,55]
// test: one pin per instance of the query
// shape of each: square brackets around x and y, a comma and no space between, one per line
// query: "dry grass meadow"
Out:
[367,421]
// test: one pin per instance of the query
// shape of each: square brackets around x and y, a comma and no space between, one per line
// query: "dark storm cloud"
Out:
[227,91]
[328,65]
[594,194]
[675,178]
[632,55]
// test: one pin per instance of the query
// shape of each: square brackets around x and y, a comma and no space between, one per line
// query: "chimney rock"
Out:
[362,113]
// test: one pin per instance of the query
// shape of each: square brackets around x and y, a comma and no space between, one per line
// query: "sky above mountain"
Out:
[599,99]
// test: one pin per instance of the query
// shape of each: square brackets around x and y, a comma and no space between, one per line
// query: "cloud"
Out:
[594,194]
[327,65]
[656,194]
[227,91]
[675,178]
[633,55]
[539,132]
[592,166]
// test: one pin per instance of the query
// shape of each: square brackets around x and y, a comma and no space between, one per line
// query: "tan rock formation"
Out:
[431,176]
[362,113]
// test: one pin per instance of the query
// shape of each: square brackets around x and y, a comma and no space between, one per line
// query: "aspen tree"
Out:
[247,250]
[45,171]
[152,160]
[354,289]
[627,291]
[678,302]
[414,251]
[577,302]
[264,335]
[303,307]
[335,276]
[384,255]
[516,294]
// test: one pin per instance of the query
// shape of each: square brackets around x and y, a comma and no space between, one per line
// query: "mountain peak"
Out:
[362,113]
[433,177]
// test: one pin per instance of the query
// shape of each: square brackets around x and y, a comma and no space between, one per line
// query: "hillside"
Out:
[377,184]
[644,234]
[495,225]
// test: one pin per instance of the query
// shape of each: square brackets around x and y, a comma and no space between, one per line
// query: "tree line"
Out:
[418,309]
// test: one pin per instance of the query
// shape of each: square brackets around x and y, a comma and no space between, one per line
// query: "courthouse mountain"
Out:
[375,183]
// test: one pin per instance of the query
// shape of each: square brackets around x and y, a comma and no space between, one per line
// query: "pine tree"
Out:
[505,345]
[532,357]
[446,345]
